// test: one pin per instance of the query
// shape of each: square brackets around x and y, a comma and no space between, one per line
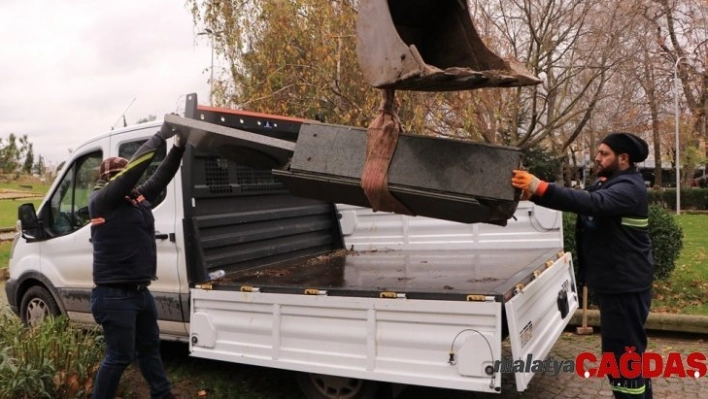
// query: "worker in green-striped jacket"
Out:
[613,246]
[125,263]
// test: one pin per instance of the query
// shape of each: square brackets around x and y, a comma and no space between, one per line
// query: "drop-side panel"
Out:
[538,314]
[394,340]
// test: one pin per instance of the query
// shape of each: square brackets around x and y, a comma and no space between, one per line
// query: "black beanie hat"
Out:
[628,143]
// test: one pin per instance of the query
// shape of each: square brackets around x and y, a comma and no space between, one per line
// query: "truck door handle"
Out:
[164,236]
[563,305]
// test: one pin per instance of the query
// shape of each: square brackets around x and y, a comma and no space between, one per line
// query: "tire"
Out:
[320,386]
[37,304]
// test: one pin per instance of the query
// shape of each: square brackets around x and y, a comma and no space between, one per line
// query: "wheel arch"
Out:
[362,389]
[32,279]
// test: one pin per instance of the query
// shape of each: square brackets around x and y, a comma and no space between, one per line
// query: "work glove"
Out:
[530,184]
[179,141]
[167,131]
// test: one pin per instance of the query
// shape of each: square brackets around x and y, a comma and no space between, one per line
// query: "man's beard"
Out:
[608,171]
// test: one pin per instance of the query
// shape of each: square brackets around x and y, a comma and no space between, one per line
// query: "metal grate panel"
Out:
[257,181]
[216,175]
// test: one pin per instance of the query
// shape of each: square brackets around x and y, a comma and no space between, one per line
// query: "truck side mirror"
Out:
[28,221]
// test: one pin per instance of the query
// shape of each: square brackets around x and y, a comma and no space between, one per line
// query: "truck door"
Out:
[66,255]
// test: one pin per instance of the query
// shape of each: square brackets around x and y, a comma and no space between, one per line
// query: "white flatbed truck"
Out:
[349,297]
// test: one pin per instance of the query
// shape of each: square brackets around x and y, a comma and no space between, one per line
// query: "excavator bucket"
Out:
[429,45]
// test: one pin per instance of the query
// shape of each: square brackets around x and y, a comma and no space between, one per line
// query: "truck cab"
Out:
[51,265]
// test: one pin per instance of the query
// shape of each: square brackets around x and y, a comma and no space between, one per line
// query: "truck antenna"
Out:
[122,116]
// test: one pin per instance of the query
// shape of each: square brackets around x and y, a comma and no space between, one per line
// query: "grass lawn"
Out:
[5,253]
[685,291]
[8,207]
[8,210]
[24,184]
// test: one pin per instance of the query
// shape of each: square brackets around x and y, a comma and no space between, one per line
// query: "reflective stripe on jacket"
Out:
[612,238]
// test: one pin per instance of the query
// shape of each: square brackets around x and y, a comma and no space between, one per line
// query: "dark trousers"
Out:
[129,322]
[622,318]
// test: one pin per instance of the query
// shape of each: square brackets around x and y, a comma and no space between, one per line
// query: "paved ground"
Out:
[572,386]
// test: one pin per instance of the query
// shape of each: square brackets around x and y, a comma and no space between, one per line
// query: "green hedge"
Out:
[691,198]
[666,237]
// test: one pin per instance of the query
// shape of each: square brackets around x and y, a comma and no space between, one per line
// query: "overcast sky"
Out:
[68,69]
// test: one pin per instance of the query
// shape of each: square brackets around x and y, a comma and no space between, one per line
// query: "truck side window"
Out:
[67,209]
[127,150]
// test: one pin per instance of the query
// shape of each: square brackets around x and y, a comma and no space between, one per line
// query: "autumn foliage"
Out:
[605,66]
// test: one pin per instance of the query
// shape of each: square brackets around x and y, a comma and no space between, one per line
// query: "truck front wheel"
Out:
[320,386]
[37,303]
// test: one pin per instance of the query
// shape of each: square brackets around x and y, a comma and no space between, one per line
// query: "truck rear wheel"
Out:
[320,386]
[36,305]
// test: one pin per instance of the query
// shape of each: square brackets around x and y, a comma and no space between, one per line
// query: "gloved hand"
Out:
[179,141]
[529,183]
[167,131]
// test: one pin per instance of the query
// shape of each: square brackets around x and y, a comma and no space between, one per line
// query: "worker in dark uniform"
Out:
[613,245]
[125,262]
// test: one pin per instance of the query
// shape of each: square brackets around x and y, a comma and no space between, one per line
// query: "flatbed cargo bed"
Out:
[419,274]
[339,290]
